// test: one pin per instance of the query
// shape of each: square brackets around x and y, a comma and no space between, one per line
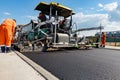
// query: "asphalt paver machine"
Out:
[55,32]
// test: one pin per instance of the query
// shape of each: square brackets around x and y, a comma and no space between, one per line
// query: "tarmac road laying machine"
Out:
[55,32]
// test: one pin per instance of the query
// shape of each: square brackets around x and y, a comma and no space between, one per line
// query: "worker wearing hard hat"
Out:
[103,39]
[7,30]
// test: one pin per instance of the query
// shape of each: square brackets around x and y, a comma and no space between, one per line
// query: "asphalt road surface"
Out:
[95,64]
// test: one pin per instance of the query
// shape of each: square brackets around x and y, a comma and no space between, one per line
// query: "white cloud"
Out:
[109,7]
[6,13]
[112,26]
[90,20]
[94,20]
[100,5]
[113,10]
[31,17]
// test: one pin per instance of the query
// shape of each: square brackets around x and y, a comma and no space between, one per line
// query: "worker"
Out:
[7,31]
[42,17]
[103,39]
[62,23]
[62,26]
[0,46]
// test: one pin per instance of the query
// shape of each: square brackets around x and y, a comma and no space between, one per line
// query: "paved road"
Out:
[95,64]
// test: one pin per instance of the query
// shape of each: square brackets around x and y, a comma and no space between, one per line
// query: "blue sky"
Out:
[89,13]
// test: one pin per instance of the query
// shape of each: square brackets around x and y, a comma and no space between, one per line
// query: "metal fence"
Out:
[113,41]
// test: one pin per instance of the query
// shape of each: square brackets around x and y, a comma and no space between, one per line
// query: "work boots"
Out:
[5,49]
[8,49]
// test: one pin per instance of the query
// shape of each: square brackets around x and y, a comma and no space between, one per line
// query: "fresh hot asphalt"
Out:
[94,64]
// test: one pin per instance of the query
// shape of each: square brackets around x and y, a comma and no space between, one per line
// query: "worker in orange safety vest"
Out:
[103,39]
[7,30]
